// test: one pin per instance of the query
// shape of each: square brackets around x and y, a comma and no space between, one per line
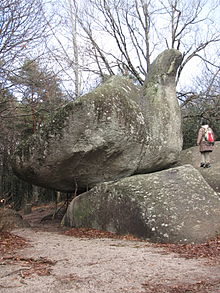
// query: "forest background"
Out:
[51,52]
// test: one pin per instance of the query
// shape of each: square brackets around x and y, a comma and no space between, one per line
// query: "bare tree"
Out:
[124,27]
[22,26]
[202,101]
[205,95]
[65,48]
[73,20]
[133,32]
[124,37]
[192,29]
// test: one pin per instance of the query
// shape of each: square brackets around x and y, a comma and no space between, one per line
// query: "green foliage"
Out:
[40,95]
[190,129]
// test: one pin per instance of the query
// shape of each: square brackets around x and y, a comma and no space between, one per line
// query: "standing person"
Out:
[205,146]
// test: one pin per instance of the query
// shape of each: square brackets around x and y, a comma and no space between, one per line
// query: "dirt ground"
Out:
[49,259]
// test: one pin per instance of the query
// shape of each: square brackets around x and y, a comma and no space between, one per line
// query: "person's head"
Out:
[204,122]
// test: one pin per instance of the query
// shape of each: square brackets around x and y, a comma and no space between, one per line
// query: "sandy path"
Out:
[104,265]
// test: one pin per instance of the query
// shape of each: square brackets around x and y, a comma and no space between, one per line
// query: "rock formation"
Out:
[10,219]
[162,113]
[115,131]
[118,130]
[211,175]
[170,206]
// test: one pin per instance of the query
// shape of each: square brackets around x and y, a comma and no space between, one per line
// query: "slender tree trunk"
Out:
[73,16]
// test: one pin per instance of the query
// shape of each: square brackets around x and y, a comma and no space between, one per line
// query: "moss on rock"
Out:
[171,206]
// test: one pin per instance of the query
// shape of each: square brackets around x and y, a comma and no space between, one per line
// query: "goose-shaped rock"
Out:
[117,130]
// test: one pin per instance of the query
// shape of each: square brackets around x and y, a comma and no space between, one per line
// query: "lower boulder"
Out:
[170,206]
[211,175]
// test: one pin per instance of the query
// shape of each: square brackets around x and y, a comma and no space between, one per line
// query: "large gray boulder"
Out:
[170,206]
[115,131]
[97,138]
[211,175]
